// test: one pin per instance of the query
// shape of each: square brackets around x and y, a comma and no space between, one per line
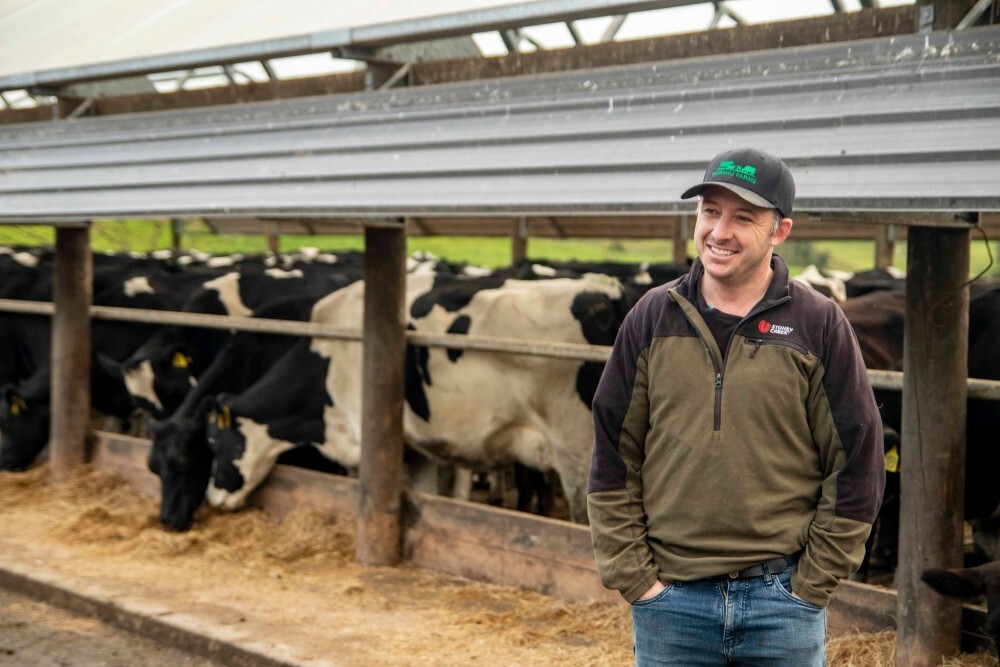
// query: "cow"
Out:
[475,409]
[539,415]
[873,280]
[291,405]
[25,384]
[162,371]
[826,282]
[179,454]
[973,583]
[982,495]
[877,320]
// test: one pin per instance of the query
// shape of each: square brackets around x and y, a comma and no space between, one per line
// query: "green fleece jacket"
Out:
[702,467]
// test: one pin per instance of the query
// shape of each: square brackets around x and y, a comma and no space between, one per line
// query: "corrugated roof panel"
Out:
[901,124]
[53,42]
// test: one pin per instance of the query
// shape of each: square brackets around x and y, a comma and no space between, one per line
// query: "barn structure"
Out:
[897,131]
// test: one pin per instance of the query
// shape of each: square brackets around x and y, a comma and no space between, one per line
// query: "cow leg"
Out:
[574,485]
[496,486]
[424,475]
[112,424]
[461,485]
[534,485]
[985,539]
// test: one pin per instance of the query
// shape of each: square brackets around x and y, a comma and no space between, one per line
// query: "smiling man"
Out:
[737,462]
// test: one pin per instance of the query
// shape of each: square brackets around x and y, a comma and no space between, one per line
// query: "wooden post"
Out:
[381,475]
[519,240]
[681,234]
[72,287]
[176,234]
[274,238]
[885,246]
[932,460]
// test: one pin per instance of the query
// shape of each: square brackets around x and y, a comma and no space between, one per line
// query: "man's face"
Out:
[733,237]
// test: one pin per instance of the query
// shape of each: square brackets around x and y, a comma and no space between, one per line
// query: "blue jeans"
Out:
[730,622]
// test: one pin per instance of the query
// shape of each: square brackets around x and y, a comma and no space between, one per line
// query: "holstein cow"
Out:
[25,386]
[179,455]
[877,319]
[827,282]
[292,404]
[873,280]
[161,372]
[475,409]
[982,494]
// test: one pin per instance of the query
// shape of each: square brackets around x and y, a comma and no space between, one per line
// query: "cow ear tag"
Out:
[181,360]
[892,460]
[17,405]
[223,419]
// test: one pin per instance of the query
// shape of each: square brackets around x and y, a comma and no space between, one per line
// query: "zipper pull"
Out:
[756,347]
[718,380]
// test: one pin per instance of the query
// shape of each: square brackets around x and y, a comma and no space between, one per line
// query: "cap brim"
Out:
[743,193]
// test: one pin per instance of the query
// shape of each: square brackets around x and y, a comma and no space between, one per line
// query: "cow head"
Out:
[970,584]
[180,457]
[243,454]
[159,380]
[24,425]
[882,548]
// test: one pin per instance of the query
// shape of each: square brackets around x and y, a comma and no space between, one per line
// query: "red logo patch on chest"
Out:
[763,326]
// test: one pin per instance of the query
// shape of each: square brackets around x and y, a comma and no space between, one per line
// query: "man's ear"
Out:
[780,234]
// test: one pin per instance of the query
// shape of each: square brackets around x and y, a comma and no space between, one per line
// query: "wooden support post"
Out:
[681,233]
[381,476]
[933,452]
[885,246]
[274,238]
[72,290]
[519,240]
[176,234]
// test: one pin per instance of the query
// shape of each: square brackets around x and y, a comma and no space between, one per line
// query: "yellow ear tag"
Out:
[223,419]
[17,405]
[181,360]
[892,460]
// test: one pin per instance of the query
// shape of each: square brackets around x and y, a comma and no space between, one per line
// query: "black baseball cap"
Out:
[755,175]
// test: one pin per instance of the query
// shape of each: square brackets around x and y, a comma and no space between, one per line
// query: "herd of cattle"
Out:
[225,405]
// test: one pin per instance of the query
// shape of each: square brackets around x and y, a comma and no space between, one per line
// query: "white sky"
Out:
[638,25]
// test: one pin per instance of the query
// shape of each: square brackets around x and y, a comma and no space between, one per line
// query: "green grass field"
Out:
[144,236]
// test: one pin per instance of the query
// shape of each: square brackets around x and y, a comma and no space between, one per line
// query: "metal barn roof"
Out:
[49,43]
[905,124]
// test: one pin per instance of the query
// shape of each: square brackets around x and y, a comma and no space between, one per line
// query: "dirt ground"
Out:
[293,586]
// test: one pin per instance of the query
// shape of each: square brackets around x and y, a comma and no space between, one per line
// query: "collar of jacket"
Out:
[776,291]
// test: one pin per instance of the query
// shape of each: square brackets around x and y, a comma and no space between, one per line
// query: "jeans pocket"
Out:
[783,582]
[656,598]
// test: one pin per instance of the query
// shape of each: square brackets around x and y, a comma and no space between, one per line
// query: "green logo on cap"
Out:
[730,168]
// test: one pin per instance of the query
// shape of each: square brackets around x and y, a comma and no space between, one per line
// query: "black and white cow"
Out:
[293,404]
[179,455]
[873,280]
[827,282]
[474,409]
[885,341]
[162,371]
[25,383]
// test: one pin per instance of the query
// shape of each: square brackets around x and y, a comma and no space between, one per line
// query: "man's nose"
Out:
[723,227]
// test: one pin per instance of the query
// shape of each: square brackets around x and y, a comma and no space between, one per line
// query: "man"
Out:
[738,460]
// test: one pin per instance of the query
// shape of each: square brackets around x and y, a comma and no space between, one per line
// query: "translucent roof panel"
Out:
[50,41]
